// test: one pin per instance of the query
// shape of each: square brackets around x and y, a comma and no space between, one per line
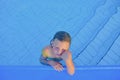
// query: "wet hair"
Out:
[62,36]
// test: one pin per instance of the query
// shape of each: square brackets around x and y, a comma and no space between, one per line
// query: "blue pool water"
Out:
[27,26]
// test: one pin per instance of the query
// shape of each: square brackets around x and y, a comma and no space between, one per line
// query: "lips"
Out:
[58,54]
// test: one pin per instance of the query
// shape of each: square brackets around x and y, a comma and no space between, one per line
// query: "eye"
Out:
[56,48]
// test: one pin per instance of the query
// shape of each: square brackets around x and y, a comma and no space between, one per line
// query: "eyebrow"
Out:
[59,48]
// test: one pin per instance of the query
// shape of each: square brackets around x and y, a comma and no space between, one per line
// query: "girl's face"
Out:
[60,47]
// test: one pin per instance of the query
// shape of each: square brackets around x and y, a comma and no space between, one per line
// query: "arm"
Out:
[69,63]
[43,57]
[44,61]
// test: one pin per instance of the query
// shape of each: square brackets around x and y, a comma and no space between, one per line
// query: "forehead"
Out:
[61,44]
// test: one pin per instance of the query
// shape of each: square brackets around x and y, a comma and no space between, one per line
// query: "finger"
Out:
[58,67]
[61,67]
[55,68]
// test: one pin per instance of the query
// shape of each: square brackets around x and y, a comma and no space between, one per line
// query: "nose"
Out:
[59,52]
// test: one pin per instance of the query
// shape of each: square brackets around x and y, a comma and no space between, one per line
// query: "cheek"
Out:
[55,50]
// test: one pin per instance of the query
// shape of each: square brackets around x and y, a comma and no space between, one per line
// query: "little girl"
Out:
[58,50]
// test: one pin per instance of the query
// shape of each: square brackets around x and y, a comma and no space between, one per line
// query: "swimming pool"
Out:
[47,73]
[27,26]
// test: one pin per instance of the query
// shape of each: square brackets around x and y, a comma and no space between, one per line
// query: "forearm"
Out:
[44,62]
[70,67]
[48,62]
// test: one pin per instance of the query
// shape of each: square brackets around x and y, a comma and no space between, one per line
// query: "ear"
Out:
[51,42]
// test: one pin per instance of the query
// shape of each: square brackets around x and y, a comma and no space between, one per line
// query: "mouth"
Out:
[58,54]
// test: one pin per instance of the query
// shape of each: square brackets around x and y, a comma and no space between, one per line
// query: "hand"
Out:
[56,65]
[65,55]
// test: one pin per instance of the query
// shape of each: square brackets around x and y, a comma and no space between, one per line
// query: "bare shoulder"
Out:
[45,51]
